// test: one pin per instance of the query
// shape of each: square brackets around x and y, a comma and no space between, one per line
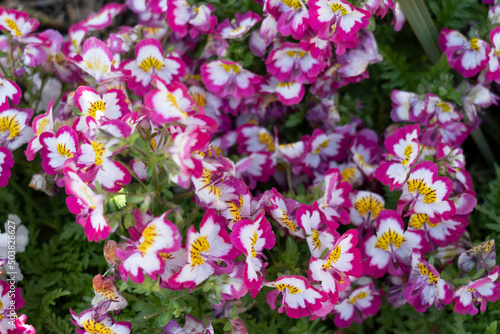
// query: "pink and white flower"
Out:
[404,148]
[227,78]
[111,105]
[362,302]
[292,17]
[477,293]
[318,236]
[93,322]
[440,111]
[427,193]
[191,326]
[238,26]
[11,301]
[41,123]
[97,60]
[493,69]
[342,261]
[407,106]
[337,19]
[366,207]
[17,23]
[57,149]
[88,206]
[9,90]
[441,233]
[183,18]
[467,57]
[102,19]
[14,129]
[144,251]
[365,152]
[95,156]
[184,154]
[6,163]
[335,203]
[425,288]
[288,93]
[299,298]
[283,211]
[390,248]
[169,103]
[291,63]
[323,146]
[204,251]
[251,238]
[149,60]
[257,167]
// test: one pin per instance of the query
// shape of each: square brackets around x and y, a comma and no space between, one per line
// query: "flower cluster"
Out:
[142,124]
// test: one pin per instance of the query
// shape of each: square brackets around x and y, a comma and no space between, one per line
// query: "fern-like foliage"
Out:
[456,14]
[51,322]
[395,70]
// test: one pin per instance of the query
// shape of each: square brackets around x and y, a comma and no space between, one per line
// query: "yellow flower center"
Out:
[231,67]
[288,223]
[292,289]
[199,245]
[292,54]
[234,210]
[93,327]
[286,85]
[474,44]
[423,189]
[150,234]
[389,237]
[368,204]
[171,98]
[433,279]
[444,106]
[315,239]
[99,152]
[96,106]
[295,4]
[64,151]
[254,241]
[11,124]
[417,220]
[348,174]
[165,256]
[149,62]
[407,153]
[41,126]
[333,257]
[337,7]
[265,138]
[360,295]
[199,98]
[324,144]
[13,27]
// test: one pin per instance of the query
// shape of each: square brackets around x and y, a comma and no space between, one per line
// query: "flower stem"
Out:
[421,22]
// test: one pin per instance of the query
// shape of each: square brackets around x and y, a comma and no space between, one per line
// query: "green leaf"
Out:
[395,70]
[291,255]
[492,328]
[3,54]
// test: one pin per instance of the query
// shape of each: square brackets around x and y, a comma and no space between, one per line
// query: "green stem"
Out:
[289,178]
[182,196]
[421,22]
[191,217]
